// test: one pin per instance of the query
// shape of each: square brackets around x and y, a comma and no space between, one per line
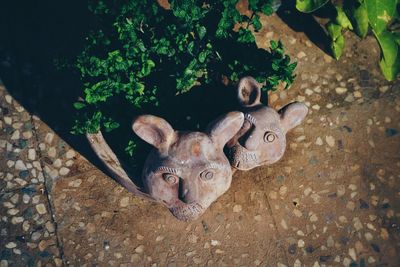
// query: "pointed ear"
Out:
[249,92]
[225,127]
[154,130]
[292,115]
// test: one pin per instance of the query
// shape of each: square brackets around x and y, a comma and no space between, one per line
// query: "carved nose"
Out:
[182,191]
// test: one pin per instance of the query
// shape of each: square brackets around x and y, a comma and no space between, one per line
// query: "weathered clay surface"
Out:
[262,138]
[187,171]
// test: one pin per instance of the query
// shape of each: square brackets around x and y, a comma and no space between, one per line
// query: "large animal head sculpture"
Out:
[262,138]
[186,171]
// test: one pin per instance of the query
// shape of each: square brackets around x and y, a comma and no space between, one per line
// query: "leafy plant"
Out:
[142,48]
[359,16]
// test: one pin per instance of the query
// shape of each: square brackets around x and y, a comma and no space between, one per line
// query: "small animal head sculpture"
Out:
[187,171]
[262,138]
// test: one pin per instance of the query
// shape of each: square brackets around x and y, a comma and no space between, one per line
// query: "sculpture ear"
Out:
[225,127]
[292,115]
[249,92]
[154,130]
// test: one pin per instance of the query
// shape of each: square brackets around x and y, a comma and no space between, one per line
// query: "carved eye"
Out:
[269,137]
[207,175]
[170,178]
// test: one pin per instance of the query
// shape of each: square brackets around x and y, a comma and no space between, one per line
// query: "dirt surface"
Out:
[333,200]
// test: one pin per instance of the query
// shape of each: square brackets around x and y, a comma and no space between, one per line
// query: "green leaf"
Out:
[267,9]
[334,30]
[202,56]
[245,36]
[256,22]
[380,13]
[358,15]
[79,105]
[337,47]
[389,47]
[342,19]
[201,31]
[308,6]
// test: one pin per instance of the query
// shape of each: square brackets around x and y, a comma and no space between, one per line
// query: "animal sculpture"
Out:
[262,138]
[185,171]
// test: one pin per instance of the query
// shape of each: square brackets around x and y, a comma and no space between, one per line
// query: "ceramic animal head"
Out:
[262,138]
[187,171]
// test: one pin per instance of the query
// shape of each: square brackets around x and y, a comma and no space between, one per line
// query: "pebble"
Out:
[300,243]
[15,135]
[139,249]
[352,254]
[330,140]
[319,141]
[70,154]
[49,138]
[346,262]
[297,213]
[284,224]
[384,234]
[357,224]
[41,209]
[297,263]
[329,106]
[57,163]
[124,202]
[159,238]
[340,90]
[258,218]
[64,171]
[383,89]
[8,99]
[31,154]
[349,98]
[7,120]
[19,165]
[357,94]
[308,92]
[316,107]
[11,245]
[313,218]
[301,55]
[75,183]
[52,152]
[237,208]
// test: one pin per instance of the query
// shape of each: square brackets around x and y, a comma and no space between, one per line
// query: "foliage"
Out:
[359,16]
[142,48]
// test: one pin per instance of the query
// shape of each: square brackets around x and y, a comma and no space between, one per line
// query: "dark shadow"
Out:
[33,35]
[36,33]
[302,22]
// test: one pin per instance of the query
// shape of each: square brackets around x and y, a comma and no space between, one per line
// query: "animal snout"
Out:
[186,192]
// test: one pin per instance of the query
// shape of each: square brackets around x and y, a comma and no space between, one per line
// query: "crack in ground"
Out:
[276,227]
[47,192]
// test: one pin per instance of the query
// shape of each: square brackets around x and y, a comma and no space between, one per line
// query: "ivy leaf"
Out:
[201,31]
[337,40]
[337,47]
[342,19]
[267,10]
[390,55]
[308,6]
[245,36]
[380,13]
[256,22]
[357,13]
[334,30]
[79,105]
